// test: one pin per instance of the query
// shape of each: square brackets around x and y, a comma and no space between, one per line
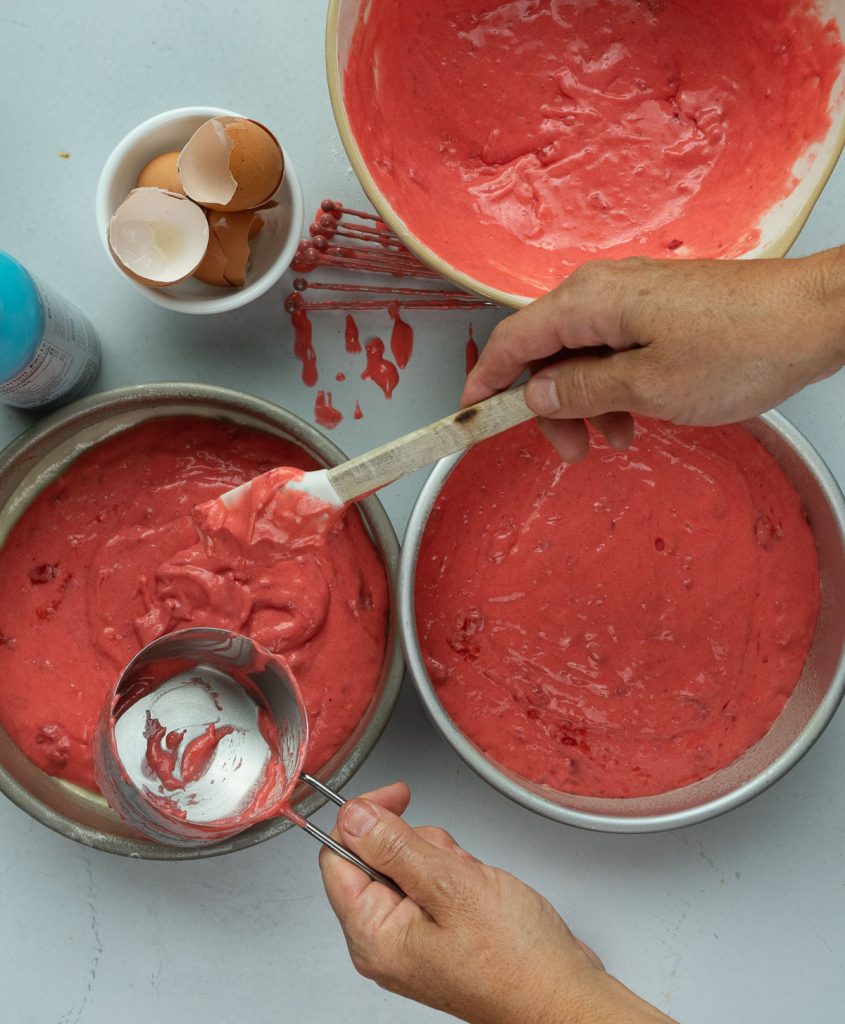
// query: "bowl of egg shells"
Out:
[200,209]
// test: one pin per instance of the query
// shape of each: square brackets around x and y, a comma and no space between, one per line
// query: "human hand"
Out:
[468,939]
[699,342]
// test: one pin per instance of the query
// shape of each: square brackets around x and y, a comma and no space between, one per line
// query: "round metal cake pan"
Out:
[34,460]
[809,709]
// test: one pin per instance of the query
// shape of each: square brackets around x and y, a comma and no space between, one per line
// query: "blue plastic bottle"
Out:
[49,352]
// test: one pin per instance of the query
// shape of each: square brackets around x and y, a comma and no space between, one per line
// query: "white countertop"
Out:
[740,919]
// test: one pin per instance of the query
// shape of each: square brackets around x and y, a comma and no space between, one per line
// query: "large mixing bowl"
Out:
[33,461]
[778,227]
[805,715]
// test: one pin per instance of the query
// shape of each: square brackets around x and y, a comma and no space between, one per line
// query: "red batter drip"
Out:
[401,337]
[126,567]
[358,232]
[303,346]
[302,284]
[380,370]
[325,413]
[328,224]
[295,304]
[371,258]
[358,414]
[351,336]
[337,209]
[472,352]
[163,753]
[546,132]
[624,626]
[199,752]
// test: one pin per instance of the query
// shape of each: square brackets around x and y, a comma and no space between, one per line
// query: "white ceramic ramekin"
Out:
[272,250]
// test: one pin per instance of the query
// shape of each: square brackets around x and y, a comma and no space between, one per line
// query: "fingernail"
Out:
[541,396]
[358,818]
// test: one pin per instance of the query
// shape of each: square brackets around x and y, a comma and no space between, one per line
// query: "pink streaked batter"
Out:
[519,139]
[624,626]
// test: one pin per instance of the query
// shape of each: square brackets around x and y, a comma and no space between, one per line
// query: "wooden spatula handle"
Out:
[406,454]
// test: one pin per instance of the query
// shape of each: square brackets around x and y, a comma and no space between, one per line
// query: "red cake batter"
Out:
[164,751]
[518,139]
[624,626]
[107,559]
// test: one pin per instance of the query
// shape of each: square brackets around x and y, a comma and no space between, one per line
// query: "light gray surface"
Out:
[741,919]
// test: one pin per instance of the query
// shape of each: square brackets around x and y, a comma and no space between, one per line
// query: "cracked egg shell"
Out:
[162,172]
[232,164]
[158,238]
[227,257]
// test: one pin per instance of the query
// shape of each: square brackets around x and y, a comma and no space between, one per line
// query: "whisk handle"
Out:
[329,794]
[323,837]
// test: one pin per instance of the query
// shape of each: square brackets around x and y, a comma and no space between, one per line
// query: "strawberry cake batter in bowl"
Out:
[508,141]
[638,642]
[99,556]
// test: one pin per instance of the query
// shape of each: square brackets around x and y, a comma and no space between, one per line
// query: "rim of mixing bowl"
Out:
[156,401]
[779,245]
[375,194]
[528,794]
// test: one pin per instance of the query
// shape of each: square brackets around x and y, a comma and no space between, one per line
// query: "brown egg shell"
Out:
[259,221]
[255,164]
[253,168]
[212,270]
[228,254]
[162,172]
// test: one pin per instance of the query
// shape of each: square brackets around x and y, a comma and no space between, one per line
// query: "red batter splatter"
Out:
[358,414]
[163,753]
[340,377]
[401,337]
[324,412]
[303,346]
[380,370]
[199,752]
[353,344]
[472,352]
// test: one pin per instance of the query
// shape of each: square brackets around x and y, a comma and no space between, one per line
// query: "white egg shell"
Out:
[158,237]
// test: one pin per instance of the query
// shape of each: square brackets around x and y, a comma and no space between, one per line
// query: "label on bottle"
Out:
[65,362]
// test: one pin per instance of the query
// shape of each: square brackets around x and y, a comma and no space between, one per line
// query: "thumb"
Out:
[430,875]
[587,386]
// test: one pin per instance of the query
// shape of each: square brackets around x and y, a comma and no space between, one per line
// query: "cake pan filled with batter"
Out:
[62,480]
[639,642]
